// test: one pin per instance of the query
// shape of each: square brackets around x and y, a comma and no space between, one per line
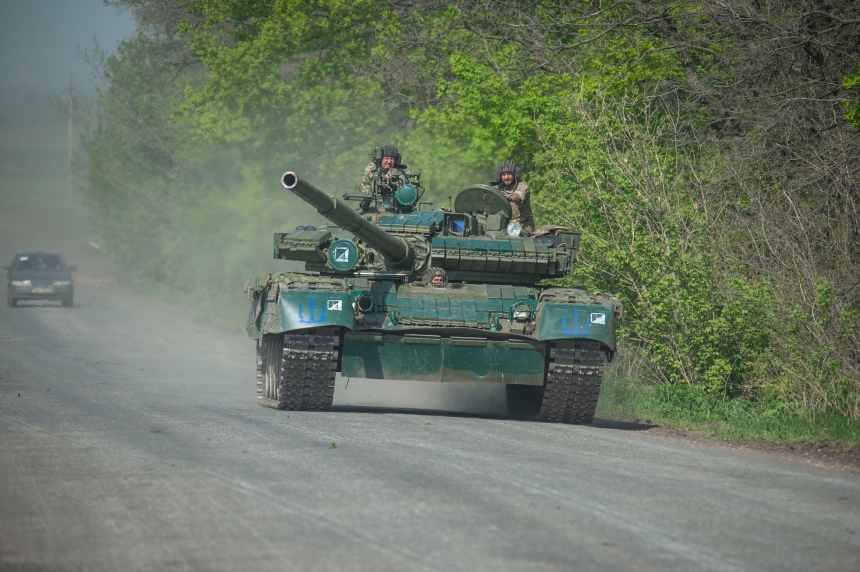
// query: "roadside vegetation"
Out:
[708,152]
[629,392]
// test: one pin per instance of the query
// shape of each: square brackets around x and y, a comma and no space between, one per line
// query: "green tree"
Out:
[699,147]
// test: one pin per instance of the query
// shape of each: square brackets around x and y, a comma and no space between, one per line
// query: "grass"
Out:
[626,393]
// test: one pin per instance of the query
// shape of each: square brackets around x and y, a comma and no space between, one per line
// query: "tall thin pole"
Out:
[70,141]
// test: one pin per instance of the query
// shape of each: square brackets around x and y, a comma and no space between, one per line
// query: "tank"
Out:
[367,307]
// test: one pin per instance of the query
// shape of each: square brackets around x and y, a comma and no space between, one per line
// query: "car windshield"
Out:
[39,262]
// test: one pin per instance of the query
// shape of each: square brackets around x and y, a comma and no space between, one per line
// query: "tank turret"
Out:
[398,254]
[393,291]
[472,243]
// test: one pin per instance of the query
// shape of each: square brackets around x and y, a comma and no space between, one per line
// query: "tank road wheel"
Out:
[296,370]
[574,374]
[524,401]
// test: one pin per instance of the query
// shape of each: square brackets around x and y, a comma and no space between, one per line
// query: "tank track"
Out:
[574,374]
[296,370]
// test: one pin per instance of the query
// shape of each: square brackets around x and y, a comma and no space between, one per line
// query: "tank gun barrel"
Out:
[397,252]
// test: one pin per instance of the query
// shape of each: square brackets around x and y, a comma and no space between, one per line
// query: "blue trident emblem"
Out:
[311,320]
[578,330]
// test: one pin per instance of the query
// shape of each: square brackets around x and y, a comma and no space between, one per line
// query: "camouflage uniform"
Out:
[520,212]
[374,170]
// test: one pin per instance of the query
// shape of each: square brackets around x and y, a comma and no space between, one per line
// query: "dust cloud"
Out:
[460,397]
[41,209]
[39,41]
[38,209]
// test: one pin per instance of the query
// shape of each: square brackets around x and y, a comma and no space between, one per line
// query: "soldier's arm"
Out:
[520,194]
[368,177]
[501,188]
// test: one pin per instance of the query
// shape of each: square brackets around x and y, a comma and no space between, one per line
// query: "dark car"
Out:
[39,276]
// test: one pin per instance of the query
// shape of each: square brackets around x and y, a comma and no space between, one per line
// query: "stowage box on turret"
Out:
[366,306]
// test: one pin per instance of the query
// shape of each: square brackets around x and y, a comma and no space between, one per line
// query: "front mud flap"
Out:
[302,309]
[576,321]
[423,357]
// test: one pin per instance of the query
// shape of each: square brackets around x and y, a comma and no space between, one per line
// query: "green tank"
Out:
[364,305]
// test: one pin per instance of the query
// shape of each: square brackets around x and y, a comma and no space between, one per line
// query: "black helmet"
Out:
[508,166]
[432,272]
[391,151]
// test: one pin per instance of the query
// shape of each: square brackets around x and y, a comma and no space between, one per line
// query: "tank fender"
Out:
[261,310]
[555,321]
[254,313]
[302,309]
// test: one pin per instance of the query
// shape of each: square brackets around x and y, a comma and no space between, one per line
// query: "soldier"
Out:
[517,192]
[388,170]
[435,276]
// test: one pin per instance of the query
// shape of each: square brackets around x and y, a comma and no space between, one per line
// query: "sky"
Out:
[39,41]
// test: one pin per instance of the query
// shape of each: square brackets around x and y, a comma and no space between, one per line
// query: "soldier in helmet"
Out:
[387,170]
[517,192]
[435,276]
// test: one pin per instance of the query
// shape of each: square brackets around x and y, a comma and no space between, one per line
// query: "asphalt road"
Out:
[130,440]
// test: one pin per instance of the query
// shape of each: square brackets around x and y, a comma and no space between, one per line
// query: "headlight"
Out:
[514,229]
[20,282]
[62,282]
